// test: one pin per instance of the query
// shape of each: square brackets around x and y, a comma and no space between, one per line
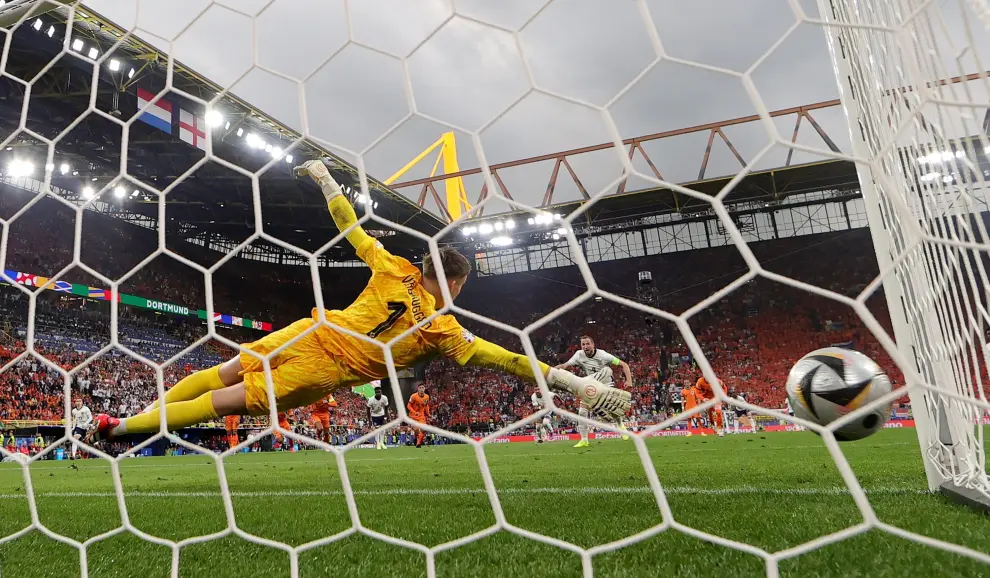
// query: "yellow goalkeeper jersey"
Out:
[393,301]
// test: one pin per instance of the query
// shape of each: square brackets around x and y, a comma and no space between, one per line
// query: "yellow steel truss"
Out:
[457,202]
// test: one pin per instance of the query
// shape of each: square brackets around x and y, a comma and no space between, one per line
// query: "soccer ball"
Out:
[829,383]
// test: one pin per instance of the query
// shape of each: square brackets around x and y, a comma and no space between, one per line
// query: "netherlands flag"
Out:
[159,114]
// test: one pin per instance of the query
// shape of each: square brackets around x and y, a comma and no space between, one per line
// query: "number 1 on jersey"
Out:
[396,310]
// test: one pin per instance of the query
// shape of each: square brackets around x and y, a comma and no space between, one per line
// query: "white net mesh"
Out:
[927,187]
[922,175]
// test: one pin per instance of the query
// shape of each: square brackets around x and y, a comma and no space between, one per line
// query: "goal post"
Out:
[921,170]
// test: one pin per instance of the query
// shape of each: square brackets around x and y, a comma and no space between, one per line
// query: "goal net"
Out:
[94,106]
[922,143]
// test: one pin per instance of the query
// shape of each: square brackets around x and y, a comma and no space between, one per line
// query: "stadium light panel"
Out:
[77,45]
[51,31]
[119,192]
[485,229]
[375,206]
[18,168]
[561,231]
[930,176]
[501,241]
[556,237]
[268,148]
[510,224]
[93,179]
[214,118]
[531,221]
[557,217]
[93,53]
[37,24]
[63,168]
[49,166]
[468,231]
[75,173]
[276,152]
[114,65]
[130,73]
[226,126]
[288,159]
[499,226]
[87,192]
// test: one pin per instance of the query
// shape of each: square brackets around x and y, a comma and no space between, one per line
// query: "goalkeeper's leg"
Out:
[200,382]
[209,406]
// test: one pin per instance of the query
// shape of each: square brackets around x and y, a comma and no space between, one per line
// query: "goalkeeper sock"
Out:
[179,415]
[192,386]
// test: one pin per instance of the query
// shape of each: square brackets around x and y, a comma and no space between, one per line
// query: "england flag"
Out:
[192,129]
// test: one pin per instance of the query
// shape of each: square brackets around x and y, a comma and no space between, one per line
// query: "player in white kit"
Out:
[596,364]
[544,428]
[82,419]
[378,413]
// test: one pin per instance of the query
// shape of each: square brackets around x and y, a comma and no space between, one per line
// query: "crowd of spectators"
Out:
[751,336]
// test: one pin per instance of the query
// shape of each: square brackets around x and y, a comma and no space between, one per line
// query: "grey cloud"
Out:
[468,73]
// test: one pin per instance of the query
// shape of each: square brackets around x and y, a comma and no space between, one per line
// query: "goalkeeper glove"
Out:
[317,171]
[608,402]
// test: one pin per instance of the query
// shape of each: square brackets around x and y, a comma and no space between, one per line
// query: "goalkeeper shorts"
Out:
[302,374]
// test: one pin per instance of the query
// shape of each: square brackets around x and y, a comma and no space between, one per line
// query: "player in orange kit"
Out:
[706,393]
[690,396]
[419,410]
[315,360]
[283,423]
[321,417]
[232,422]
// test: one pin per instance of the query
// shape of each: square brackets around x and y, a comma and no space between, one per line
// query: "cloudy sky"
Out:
[466,68]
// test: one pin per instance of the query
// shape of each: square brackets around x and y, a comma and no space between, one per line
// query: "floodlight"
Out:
[214,118]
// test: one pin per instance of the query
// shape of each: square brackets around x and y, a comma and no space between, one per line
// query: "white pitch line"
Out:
[353,458]
[439,492]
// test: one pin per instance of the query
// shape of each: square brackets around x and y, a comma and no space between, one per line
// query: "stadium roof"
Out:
[212,199]
[216,201]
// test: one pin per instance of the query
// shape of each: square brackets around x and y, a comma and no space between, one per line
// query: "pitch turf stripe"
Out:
[440,492]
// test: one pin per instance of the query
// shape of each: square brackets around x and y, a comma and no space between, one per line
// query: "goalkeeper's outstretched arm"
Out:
[340,208]
[606,400]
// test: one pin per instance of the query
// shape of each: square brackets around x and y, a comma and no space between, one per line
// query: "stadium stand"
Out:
[751,337]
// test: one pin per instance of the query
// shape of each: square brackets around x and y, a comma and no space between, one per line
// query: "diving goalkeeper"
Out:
[396,298]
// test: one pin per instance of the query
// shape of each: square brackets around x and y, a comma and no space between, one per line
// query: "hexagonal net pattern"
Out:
[922,188]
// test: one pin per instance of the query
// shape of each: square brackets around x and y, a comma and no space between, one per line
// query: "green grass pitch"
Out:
[773,491]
